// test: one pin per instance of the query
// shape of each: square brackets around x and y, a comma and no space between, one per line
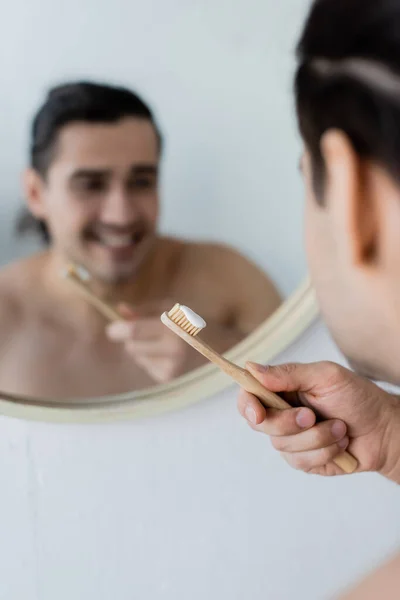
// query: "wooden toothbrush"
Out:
[79,278]
[187,325]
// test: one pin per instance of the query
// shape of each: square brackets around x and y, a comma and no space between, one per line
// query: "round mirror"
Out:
[153,168]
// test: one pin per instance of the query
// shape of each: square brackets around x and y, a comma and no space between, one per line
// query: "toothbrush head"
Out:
[187,319]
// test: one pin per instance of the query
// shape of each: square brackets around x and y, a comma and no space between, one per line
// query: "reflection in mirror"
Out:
[111,213]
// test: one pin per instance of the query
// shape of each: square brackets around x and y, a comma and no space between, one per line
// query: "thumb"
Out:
[291,377]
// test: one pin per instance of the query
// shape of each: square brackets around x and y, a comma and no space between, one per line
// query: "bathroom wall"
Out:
[191,504]
[219,79]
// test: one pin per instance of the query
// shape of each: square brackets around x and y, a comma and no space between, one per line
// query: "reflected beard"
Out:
[119,273]
[116,238]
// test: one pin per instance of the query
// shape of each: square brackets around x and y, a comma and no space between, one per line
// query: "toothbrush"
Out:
[79,277]
[187,324]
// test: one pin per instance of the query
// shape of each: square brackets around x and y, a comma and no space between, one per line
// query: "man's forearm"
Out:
[383,584]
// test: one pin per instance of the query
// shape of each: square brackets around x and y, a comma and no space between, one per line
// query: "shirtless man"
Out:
[91,189]
[347,90]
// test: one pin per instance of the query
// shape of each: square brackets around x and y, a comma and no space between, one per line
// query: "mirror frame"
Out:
[276,334]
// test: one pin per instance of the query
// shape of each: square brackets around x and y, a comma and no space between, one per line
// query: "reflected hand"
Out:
[360,417]
[156,349]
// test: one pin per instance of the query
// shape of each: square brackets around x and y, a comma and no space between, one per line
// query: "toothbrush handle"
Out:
[102,307]
[246,380]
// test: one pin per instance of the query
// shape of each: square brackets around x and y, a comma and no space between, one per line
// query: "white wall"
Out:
[219,77]
[190,505]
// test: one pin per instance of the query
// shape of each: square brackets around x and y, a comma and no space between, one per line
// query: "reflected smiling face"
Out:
[100,196]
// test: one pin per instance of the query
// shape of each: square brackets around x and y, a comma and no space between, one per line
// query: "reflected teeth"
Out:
[116,241]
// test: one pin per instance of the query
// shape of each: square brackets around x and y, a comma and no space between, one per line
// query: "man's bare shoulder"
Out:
[200,251]
[383,583]
[215,256]
[19,281]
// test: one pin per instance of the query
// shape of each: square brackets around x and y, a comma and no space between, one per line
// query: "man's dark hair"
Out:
[84,102]
[348,78]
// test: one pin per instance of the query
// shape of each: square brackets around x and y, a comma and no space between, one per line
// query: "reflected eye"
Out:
[91,185]
[141,183]
[95,186]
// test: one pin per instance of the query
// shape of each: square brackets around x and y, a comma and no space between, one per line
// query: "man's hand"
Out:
[359,416]
[156,349]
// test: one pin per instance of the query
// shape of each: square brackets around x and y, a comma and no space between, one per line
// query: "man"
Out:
[347,94]
[92,192]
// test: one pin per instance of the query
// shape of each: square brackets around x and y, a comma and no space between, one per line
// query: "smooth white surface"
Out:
[189,505]
[219,78]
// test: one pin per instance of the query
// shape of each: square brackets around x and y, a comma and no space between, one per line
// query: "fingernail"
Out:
[250,415]
[338,429]
[257,367]
[343,443]
[304,418]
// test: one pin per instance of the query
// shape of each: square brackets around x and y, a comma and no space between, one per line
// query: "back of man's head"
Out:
[349,61]
[347,89]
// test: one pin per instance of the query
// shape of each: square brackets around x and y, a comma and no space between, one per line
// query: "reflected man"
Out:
[92,194]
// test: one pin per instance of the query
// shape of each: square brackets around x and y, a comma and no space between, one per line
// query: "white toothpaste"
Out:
[82,273]
[193,318]
[76,270]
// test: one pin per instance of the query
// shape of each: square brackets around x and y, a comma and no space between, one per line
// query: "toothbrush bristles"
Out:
[76,271]
[179,318]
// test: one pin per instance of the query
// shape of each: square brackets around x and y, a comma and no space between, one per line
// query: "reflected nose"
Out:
[118,208]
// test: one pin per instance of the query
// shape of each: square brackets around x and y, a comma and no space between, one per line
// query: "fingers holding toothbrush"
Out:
[159,352]
[358,416]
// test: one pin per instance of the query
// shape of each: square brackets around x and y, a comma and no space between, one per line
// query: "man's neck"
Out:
[391,445]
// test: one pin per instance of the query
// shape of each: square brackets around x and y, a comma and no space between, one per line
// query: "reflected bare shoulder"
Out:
[249,294]
[229,264]
[18,282]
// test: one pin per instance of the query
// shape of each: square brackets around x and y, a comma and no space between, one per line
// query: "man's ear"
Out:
[33,186]
[350,199]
